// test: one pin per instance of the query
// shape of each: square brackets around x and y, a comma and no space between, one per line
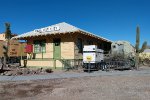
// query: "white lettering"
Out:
[48,29]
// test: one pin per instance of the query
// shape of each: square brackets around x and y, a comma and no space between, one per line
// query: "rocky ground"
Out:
[15,70]
[104,87]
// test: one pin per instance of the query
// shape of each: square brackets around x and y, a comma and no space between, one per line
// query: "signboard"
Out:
[29,48]
[48,29]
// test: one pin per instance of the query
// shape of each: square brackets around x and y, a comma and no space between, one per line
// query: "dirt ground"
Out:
[128,87]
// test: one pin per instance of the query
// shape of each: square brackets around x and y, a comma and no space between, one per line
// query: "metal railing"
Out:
[72,64]
[119,64]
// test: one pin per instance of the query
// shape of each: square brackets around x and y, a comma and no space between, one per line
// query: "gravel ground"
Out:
[87,88]
[75,74]
[129,86]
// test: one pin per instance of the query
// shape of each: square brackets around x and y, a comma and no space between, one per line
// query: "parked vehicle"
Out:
[121,56]
[92,57]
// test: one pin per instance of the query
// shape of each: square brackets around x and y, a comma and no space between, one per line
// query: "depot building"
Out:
[57,45]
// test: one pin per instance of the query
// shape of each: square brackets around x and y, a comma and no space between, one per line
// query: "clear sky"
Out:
[112,19]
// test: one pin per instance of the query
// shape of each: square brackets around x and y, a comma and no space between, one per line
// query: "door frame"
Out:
[56,39]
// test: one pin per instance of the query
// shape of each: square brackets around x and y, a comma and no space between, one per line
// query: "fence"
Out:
[72,63]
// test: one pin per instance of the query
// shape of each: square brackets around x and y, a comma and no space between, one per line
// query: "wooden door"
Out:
[57,48]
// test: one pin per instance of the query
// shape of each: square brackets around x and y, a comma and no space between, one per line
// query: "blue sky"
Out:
[112,19]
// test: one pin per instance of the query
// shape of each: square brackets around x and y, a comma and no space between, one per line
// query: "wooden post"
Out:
[21,51]
[54,63]
[42,52]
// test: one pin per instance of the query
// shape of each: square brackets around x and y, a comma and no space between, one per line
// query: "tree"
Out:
[8,31]
[144,46]
[148,46]
[5,47]
[137,46]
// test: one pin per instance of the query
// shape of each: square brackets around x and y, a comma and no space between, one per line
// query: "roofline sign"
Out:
[48,29]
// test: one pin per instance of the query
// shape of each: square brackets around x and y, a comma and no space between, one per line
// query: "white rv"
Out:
[92,55]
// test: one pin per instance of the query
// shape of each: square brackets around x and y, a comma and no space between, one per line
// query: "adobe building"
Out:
[53,45]
[15,47]
[3,36]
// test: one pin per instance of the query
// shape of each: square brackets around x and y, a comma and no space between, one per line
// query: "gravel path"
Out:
[103,87]
[141,72]
[99,85]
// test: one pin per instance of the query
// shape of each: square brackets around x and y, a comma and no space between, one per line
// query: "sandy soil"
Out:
[87,88]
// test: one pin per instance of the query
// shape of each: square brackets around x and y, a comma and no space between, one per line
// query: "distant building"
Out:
[148,47]
[52,46]
[15,48]
[145,56]
[3,37]
[147,51]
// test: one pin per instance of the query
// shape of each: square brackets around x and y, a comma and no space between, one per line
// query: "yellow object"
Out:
[89,58]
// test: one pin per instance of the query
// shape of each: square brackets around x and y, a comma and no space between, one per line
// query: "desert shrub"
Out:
[48,70]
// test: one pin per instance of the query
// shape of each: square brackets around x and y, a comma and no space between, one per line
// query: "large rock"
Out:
[26,71]
[8,73]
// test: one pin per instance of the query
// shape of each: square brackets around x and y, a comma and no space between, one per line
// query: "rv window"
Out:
[91,52]
[114,46]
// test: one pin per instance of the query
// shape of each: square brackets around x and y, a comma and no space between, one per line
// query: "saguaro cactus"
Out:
[144,46]
[138,50]
[137,39]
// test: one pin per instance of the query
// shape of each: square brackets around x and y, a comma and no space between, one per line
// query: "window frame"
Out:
[39,46]
[80,45]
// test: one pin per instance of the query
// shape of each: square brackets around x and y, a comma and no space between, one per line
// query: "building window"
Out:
[100,46]
[57,42]
[39,46]
[89,42]
[80,45]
